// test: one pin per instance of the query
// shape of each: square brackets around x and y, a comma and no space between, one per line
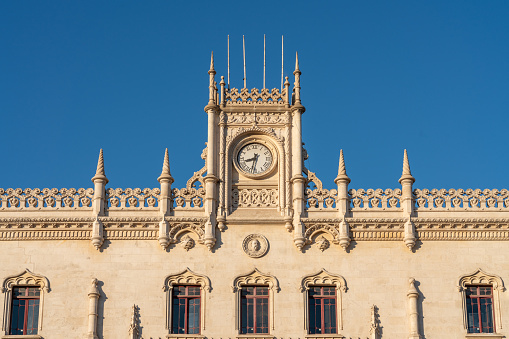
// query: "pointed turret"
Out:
[99,173]
[342,169]
[165,174]
[406,169]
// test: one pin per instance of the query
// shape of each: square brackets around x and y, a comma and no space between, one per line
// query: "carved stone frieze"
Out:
[236,131]
[132,198]
[388,199]
[255,245]
[460,199]
[258,118]
[254,198]
[45,199]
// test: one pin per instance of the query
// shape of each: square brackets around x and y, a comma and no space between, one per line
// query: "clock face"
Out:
[254,158]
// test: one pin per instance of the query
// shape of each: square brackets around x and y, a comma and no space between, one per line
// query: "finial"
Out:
[287,83]
[165,174]
[99,173]
[297,61]
[94,288]
[342,169]
[412,290]
[406,175]
[212,62]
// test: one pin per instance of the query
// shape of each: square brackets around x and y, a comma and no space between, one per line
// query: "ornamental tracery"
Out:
[254,197]
[64,198]
[316,196]
[375,199]
[132,198]
[426,199]
[255,96]
[192,195]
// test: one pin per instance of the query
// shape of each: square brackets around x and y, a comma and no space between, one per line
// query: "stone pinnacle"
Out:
[99,173]
[406,175]
[165,174]
[342,169]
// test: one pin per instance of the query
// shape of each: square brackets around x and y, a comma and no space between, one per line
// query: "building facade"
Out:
[254,246]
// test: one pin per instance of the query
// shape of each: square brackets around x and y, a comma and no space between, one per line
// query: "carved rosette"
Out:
[255,245]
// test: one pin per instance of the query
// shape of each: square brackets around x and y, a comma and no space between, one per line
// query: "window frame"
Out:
[478,297]
[187,297]
[185,278]
[482,279]
[322,297]
[325,279]
[254,278]
[26,316]
[23,279]
[254,297]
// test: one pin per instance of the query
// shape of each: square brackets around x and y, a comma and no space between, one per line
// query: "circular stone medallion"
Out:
[255,245]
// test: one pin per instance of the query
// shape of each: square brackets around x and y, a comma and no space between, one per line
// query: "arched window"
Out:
[481,302]
[323,302]
[185,302]
[254,302]
[23,303]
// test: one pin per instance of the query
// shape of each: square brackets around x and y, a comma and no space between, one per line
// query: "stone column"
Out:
[343,202]
[407,202]
[413,313]
[98,201]
[93,296]
[165,201]
[210,203]
[298,181]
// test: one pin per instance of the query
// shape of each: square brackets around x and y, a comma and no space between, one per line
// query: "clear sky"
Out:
[377,77]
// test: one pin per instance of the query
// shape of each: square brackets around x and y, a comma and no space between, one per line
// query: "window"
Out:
[481,302]
[25,310]
[480,309]
[186,310]
[322,310]
[323,302]
[254,302]
[255,309]
[23,304]
[185,302]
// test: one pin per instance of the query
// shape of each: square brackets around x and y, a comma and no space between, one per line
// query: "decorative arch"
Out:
[480,277]
[314,230]
[25,278]
[323,278]
[254,277]
[185,277]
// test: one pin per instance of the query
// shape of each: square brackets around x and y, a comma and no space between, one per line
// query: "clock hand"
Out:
[255,158]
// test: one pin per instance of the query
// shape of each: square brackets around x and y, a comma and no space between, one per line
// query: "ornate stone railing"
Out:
[255,97]
[188,197]
[254,198]
[469,199]
[64,198]
[132,198]
[376,199]
[317,197]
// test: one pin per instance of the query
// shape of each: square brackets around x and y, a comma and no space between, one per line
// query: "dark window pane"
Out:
[472,316]
[486,316]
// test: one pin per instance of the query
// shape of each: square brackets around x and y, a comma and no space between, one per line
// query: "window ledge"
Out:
[21,336]
[324,336]
[255,336]
[484,336]
[185,336]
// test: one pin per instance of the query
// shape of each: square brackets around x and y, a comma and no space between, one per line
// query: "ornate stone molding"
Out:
[263,96]
[323,278]
[132,198]
[254,198]
[185,277]
[25,278]
[46,199]
[258,118]
[375,199]
[461,199]
[479,277]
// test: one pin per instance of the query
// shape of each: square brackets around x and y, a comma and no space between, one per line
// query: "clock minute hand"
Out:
[255,158]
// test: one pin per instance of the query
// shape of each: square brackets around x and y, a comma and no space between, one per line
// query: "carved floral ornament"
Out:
[25,278]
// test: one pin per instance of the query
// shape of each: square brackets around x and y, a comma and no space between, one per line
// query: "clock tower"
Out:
[254,157]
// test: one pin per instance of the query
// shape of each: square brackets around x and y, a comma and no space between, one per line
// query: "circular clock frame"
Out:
[255,140]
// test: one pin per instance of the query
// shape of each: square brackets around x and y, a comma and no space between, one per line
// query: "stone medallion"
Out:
[255,245]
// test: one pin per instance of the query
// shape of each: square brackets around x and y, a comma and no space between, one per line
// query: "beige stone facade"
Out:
[399,259]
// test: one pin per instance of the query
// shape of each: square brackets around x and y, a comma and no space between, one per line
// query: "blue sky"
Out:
[377,77]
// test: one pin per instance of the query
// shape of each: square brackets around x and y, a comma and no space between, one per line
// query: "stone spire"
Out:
[99,173]
[212,63]
[296,87]
[165,174]
[212,85]
[406,169]
[296,62]
[342,169]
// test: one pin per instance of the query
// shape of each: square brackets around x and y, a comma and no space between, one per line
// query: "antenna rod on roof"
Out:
[244,50]
[264,61]
[282,61]
[228,62]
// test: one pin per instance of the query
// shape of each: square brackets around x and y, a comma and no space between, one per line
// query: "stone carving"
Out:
[258,118]
[64,198]
[316,196]
[192,195]
[374,330]
[312,229]
[187,242]
[255,245]
[375,199]
[255,97]
[134,328]
[322,243]
[461,199]
[254,198]
[132,198]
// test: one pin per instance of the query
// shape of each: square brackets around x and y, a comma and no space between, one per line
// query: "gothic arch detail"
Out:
[25,278]
[323,278]
[185,277]
[479,277]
